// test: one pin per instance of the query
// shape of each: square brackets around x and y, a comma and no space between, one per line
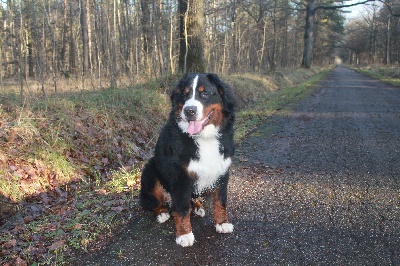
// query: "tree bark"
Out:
[85,37]
[191,32]
[308,34]
[71,58]
[145,24]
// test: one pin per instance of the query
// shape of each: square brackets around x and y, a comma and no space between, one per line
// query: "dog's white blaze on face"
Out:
[193,102]
[211,164]
[184,123]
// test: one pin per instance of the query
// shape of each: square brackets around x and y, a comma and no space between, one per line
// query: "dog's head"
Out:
[202,104]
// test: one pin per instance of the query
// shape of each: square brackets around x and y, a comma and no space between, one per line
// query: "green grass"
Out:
[9,186]
[385,74]
[123,179]
[251,116]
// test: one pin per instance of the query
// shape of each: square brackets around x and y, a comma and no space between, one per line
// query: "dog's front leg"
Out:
[181,209]
[184,234]
[221,221]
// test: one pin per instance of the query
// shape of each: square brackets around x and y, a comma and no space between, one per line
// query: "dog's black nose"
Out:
[190,112]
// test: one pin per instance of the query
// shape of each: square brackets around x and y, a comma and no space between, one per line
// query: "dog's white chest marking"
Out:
[211,164]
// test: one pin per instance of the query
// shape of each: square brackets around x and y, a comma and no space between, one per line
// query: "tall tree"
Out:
[311,7]
[191,36]
[85,36]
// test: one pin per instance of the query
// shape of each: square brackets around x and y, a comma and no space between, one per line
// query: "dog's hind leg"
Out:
[161,211]
[152,195]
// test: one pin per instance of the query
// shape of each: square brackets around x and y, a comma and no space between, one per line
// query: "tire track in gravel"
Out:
[318,185]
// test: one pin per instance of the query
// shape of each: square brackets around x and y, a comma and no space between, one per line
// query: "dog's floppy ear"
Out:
[225,92]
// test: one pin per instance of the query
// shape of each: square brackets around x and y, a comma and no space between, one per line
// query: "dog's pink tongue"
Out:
[194,127]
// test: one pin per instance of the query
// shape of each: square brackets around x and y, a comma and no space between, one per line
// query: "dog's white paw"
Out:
[224,228]
[163,217]
[185,240]
[199,212]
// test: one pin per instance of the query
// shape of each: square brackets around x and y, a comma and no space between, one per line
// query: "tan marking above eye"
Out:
[187,90]
[201,89]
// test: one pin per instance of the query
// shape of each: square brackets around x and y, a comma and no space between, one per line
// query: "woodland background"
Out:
[84,91]
[109,43]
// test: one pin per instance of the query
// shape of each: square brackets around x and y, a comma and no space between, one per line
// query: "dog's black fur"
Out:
[176,148]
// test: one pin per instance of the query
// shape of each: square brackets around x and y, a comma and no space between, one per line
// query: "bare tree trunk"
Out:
[85,38]
[54,45]
[72,59]
[264,40]
[20,58]
[191,30]
[158,40]
[64,40]
[308,34]
[89,37]
[171,44]
[145,24]
[113,52]
[235,54]
[43,60]
[147,39]
[388,39]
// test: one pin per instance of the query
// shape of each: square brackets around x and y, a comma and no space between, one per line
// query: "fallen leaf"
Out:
[77,226]
[10,243]
[102,192]
[20,262]
[56,245]
[118,208]
[84,159]
[29,218]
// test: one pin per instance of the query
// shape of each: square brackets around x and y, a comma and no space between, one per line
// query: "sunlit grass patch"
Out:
[123,180]
[9,186]
[64,170]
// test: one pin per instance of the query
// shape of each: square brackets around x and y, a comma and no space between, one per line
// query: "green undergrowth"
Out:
[273,97]
[70,165]
[386,74]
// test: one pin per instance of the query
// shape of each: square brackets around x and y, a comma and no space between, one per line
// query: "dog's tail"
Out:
[148,181]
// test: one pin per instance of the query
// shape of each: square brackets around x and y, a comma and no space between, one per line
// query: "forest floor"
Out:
[70,162]
[317,183]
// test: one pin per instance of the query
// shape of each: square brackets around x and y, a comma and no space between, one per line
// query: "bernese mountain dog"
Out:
[192,156]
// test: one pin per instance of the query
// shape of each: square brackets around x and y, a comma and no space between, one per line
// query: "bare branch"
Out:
[343,6]
[390,7]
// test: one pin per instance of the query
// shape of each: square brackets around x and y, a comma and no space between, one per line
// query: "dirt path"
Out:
[319,185]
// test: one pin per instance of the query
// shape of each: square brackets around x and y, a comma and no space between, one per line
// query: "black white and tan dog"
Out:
[192,156]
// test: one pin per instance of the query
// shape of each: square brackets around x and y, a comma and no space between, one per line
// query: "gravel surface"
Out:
[318,185]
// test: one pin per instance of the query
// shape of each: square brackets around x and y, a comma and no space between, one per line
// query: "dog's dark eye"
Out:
[204,94]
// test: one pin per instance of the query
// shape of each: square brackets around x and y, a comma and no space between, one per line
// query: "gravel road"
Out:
[319,185]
